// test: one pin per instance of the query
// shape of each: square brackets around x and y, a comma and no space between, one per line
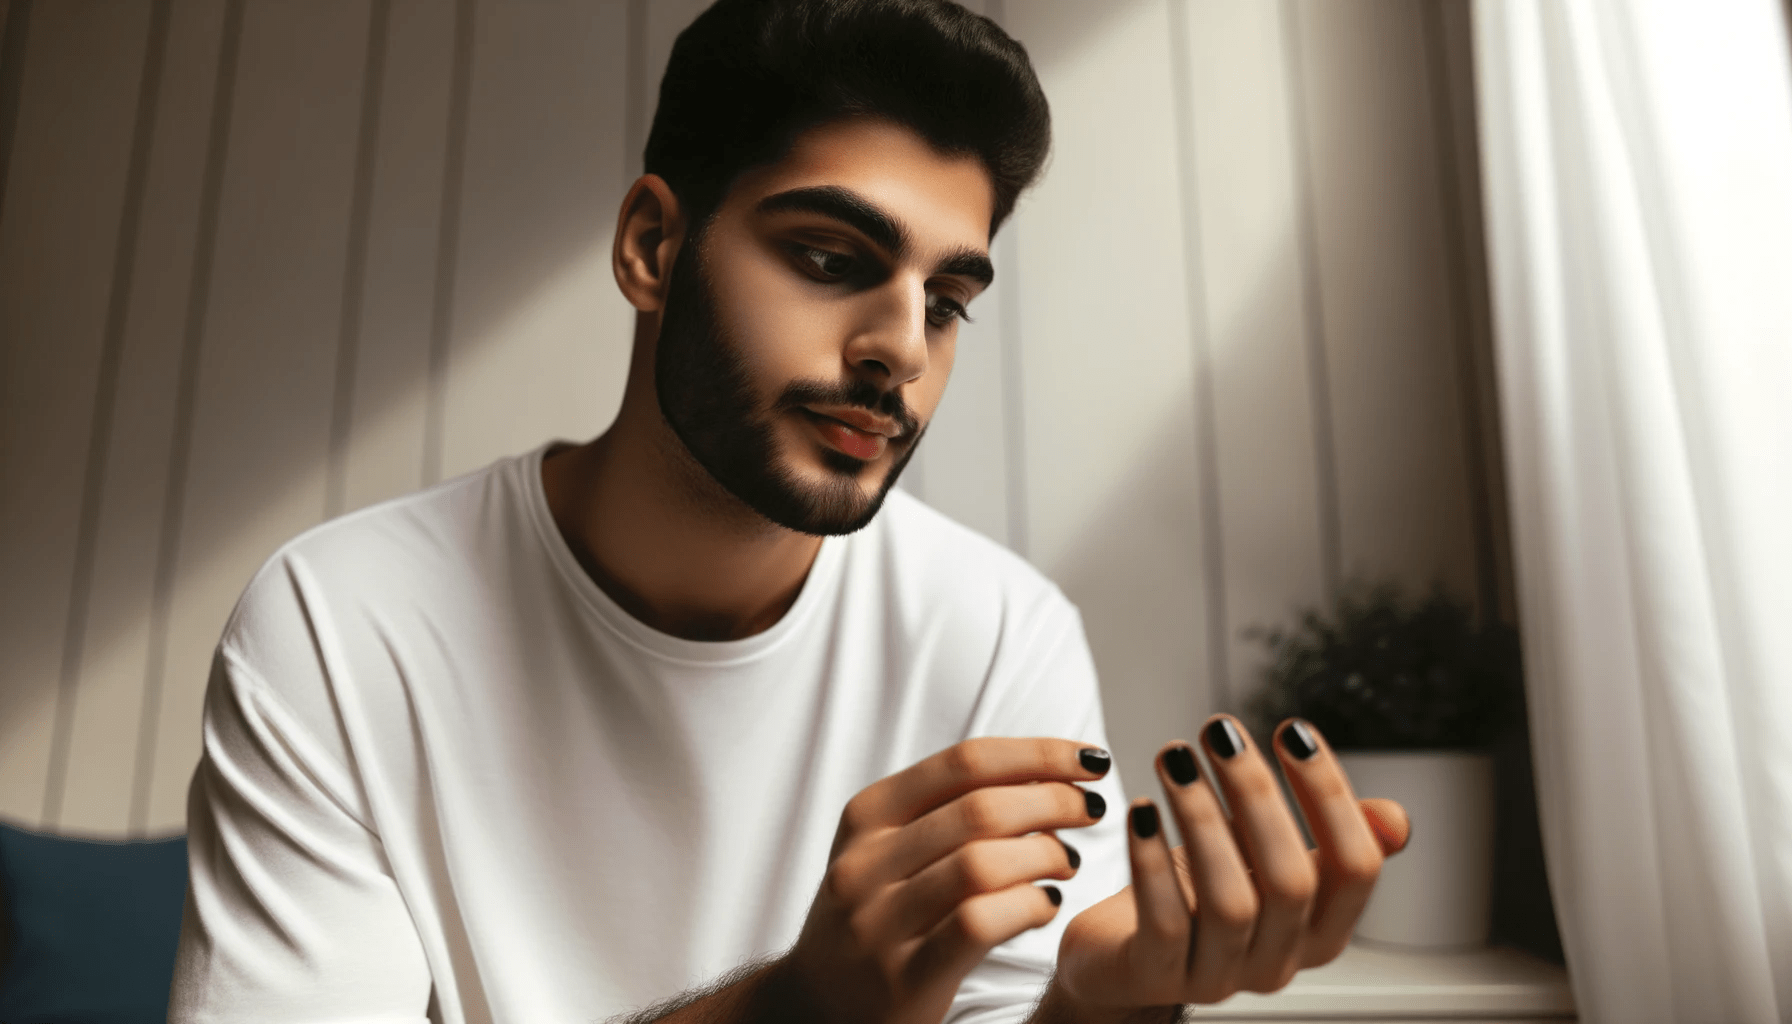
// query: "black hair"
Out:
[749,76]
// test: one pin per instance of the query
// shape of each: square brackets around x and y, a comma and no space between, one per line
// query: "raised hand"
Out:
[1243,904]
[931,868]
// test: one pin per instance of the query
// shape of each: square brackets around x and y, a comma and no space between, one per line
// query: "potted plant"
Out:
[1409,692]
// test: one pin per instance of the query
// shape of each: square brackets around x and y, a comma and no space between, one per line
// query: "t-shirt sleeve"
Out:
[1043,684]
[292,914]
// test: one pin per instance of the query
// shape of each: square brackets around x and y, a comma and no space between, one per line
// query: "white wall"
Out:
[264,262]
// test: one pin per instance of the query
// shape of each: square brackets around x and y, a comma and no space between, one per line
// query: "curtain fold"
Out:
[1637,160]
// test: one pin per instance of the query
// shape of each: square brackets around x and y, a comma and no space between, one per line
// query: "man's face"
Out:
[808,333]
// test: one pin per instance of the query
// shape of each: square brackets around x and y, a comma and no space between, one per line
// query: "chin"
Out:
[823,492]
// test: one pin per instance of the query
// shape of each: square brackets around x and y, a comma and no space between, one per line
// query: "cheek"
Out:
[776,324]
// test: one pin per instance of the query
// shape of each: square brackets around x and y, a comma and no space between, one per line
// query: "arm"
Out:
[292,914]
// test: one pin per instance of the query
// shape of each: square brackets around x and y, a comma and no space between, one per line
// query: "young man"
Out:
[702,702]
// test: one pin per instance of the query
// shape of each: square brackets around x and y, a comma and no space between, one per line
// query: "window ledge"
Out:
[1368,981]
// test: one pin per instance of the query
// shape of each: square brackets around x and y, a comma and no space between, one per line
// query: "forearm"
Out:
[757,993]
[1060,1007]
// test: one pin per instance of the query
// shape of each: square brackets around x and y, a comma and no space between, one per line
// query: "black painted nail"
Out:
[1144,820]
[1076,859]
[1052,893]
[1095,760]
[1223,738]
[1298,740]
[1180,763]
[1095,804]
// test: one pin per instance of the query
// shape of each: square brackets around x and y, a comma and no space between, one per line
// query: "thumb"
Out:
[1389,822]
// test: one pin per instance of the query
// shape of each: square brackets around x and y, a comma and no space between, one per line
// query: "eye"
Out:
[942,310]
[827,264]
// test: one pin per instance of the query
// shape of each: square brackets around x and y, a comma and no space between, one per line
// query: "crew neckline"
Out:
[822,579]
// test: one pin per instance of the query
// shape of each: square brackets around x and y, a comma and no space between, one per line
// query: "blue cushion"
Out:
[91,928]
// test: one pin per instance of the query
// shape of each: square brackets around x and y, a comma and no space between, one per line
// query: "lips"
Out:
[848,438]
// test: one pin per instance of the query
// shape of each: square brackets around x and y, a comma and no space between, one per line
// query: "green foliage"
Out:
[1380,672]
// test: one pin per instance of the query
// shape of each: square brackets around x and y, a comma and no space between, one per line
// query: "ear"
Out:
[649,229]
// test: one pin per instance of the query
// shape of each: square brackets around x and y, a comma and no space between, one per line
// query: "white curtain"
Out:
[1637,157]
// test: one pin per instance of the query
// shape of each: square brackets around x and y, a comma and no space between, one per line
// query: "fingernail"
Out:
[1144,820]
[1052,893]
[1180,763]
[1076,859]
[1298,740]
[1223,738]
[1095,804]
[1095,760]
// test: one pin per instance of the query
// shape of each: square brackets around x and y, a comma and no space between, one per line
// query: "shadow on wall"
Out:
[529,336]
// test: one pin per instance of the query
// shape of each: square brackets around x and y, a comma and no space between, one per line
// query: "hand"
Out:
[1243,904]
[934,866]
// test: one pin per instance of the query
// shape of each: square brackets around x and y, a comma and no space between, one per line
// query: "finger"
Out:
[1388,820]
[1283,871]
[972,764]
[989,813]
[919,904]
[1347,853]
[1161,950]
[977,926]
[1226,902]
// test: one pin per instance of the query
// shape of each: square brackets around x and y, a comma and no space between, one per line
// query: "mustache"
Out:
[861,393]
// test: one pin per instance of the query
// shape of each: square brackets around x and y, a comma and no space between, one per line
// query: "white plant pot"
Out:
[1437,893]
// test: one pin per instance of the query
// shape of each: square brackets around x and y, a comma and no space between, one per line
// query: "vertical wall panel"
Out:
[540,333]
[267,371]
[385,453]
[104,738]
[961,466]
[1113,509]
[1403,503]
[1266,480]
[65,189]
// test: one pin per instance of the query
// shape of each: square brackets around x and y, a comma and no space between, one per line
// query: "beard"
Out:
[707,398]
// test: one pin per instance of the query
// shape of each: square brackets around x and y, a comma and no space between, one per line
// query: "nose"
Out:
[889,346]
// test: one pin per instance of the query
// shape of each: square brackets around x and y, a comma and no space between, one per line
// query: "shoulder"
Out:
[397,556]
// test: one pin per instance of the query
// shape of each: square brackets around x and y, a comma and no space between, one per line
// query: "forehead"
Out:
[945,200]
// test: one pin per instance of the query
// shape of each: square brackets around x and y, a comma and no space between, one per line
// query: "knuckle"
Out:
[845,880]
[969,759]
[855,816]
[1068,802]
[1329,786]
[1317,955]
[835,887]
[975,923]
[1359,867]
[1204,814]
[1256,787]
[1291,885]
[1272,979]
[981,813]
[1234,913]
[977,869]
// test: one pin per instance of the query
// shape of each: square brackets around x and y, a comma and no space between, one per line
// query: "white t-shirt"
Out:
[443,770]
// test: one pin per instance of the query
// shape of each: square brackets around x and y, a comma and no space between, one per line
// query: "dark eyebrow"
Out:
[848,207]
[968,263]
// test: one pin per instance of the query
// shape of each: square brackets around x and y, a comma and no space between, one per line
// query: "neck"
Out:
[664,540]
